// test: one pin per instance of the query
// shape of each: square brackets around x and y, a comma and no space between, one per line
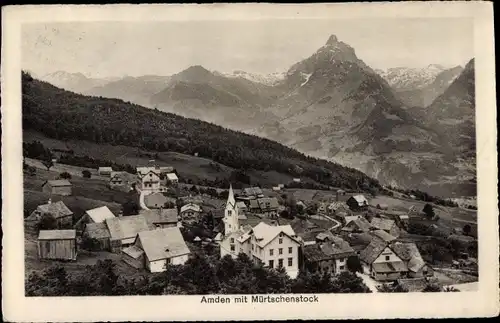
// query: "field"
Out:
[188,167]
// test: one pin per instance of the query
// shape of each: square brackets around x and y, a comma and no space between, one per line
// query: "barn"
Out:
[99,232]
[58,210]
[57,244]
[123,230]
[58,187]
[97,215]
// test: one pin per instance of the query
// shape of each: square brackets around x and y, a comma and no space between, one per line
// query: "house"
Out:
[253,206]
[357,226]
[358,241]
[252,192]
[123,230]
[120,181]
[276,188]
[190,212]
[268,206]
[172,179]
[97,215]
[105,171]
[381,262]
[156,200]
[306,230]
[149,181]
[296,180]
[57,244]
[235,242]
[357,202]
[329,256]
[335,208]
[59,187]
[410,254]
[383,235]
[156,249]
[386,225]
[281,186]
[241,206]
[349,218]
[161,218]
[58,210]
[339,193]
[99,232]
[322,208]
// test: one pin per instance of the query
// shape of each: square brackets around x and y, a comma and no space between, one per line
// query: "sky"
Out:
[116,49]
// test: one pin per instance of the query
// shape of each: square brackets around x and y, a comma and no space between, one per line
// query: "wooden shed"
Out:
[58,186]
[57,244]
[99,232]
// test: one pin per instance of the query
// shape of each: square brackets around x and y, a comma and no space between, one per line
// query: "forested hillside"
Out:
[65,115]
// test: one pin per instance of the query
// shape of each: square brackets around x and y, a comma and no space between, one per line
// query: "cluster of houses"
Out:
[152,239]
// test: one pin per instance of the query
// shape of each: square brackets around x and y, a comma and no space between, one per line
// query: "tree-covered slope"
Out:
[65,115]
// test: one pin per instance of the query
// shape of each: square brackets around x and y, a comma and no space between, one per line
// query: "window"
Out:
[232,240]
[229,212]
[280,263]
[280,251]
[280,240]
[271,263]
[252,246]
[271,252]
[290,262]
[387,258]
[232,247]
[341,267]
[168,261]
[290,249]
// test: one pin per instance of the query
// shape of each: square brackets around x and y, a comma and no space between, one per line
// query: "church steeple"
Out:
[230,213]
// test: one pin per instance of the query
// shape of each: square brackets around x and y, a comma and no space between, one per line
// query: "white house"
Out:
[149,181]
[190,212]
[105,171]
[157,249]
[172,179]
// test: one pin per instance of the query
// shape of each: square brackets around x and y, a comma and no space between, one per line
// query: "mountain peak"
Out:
[332,40]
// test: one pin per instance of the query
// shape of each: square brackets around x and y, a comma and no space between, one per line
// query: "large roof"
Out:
[155,199]
[252,191]
[358,224]
[97,230]
[382,224]
[388,267]
[268,203]
[409,253]
[57,209]
[100,214]
[172,176]
[383,235]
[57,234]
[126,227]
[163,243]
[265,233]
[360,199]
[160,216]
[191,206]
[373,250]
[58,182]
[105,169]
[155,169]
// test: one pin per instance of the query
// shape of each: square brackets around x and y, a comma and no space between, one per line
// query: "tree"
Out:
[450,289]
[433,288]
[347,282]
[86,173]
[48,163]
[428,210]
[353,264]
[467,229]
[46,222]
[392,288]
[130,207]
[90,244]
[65,175]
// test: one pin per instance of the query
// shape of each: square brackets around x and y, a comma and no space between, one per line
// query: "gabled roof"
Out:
[152,200]
[124,176]
[252,191]
[265,233]
[241,205]
[160,216]
[360,199]
[57,209]
[383,235]
[58,183]
[163,243]
[382,224]
[105,169]
[254,204]
[338,248]
[218,237]
[359,224]
[156,169]
[172,177]
[350,218]
[388,267]
[373,250]
[56,234]
[359,241]
[300,226]
[100,214]
[126,227]
[191,207]
[268,203]
[97,230]
[409,253]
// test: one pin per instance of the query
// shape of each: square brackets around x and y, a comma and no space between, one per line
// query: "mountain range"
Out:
[400,126]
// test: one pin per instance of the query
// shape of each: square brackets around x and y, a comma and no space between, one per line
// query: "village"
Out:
[151,220]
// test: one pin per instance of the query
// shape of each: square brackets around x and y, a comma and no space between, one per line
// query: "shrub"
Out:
[86,173]
[65,175]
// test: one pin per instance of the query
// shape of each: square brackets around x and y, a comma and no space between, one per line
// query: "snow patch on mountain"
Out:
[266,79]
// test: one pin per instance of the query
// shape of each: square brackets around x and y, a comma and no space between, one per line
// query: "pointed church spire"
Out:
[230,197]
